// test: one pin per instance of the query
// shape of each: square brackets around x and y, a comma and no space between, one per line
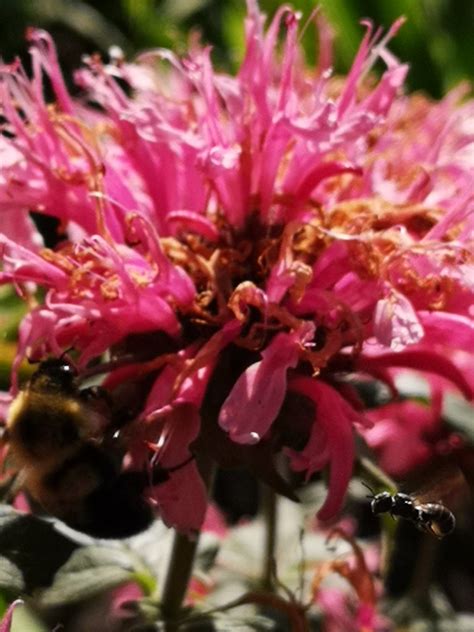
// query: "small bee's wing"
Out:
[442,481]
[465,461]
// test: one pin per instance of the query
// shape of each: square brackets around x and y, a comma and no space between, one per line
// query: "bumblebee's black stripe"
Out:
[116,508]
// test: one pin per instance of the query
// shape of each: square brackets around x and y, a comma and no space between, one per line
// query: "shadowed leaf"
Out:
[89,571]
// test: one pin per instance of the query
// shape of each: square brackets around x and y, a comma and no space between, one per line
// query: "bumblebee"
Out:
[433,518]
[55,435]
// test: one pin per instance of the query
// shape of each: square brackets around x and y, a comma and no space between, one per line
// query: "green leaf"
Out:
[223,622]
[218,622]
[83,19]
[11,577]
[429,612]
[89,571]
[24,620]
[33,546]
[464,623]
[459,415]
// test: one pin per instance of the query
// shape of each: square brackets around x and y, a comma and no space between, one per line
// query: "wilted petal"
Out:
[396,324]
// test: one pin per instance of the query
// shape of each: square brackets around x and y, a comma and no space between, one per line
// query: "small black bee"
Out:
[55,436]
[433,518]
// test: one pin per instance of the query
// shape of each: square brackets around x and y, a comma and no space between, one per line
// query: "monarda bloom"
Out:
[239,250]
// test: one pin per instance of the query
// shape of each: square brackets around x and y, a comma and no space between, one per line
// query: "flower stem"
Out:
[269,508]
[180,566]
[374,475]
[424,568]
[177,578]
[371,474]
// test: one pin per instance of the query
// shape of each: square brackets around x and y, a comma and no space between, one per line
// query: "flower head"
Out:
[241,243]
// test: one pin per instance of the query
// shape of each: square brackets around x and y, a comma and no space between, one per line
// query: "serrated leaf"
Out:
[89,571]
[33,546]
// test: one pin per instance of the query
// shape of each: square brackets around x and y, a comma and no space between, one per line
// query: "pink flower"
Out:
[240,241]
[401,436]
[342,610]
[331,441]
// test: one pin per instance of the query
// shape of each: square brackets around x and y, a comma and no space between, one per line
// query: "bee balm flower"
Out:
[242,242]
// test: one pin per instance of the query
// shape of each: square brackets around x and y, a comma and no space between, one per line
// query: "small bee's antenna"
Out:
[372,491]
[63,355]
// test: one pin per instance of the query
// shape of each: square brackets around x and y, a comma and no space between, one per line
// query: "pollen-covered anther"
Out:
[58,259]
[302,274]
[436,288]
[140,279]
[110,289]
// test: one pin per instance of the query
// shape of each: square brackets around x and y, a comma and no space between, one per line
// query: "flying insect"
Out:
[430,517]
[55,435]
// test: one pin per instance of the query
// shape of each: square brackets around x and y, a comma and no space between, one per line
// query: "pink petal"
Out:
[257,396]
[21,265]
[191,221]
[452,330]
[182,500]
[317,174]
[6,622]
[420,360]
[336,418]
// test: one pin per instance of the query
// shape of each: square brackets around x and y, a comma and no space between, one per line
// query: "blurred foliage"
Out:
[436,40]
[12,309]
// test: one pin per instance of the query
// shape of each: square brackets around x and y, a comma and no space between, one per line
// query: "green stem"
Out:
[373,475]
[424,568]
[180,566]
[376,478]
[269,508]
[177,579]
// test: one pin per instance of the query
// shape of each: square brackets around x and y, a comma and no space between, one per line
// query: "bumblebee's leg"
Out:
[429,528]
[161,474]
[99,401]
[97,396]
